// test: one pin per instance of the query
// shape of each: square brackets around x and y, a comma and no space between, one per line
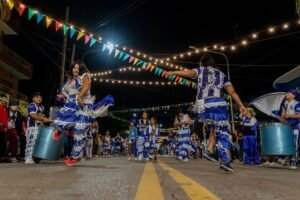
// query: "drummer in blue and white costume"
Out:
[183,123]
[36,118]
[210,104]
[291,115]
[143,143]
[79,109]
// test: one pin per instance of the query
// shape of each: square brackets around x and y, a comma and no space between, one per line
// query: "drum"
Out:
[46,147]
[276,139]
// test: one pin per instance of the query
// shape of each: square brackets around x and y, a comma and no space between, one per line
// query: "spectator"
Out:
[3,124]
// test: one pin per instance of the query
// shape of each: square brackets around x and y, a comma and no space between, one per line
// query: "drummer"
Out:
[35,120]
[291,115]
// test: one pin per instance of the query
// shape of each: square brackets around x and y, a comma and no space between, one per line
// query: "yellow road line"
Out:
[149,187]
[193,189]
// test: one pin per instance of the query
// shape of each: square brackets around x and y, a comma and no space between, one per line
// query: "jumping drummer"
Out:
[36,118]
[291,115]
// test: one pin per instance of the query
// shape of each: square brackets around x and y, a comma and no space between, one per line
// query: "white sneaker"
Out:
[13,160]
[147,159]
[185,160]
[135,158]
[29,161]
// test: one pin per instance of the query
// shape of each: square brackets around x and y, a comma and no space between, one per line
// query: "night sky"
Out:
[159,28]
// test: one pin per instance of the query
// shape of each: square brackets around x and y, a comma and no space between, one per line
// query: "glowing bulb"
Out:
[169,83]
[222,48]
[150,83]
[205,49]
[95,79]
[139,70]
[271,30]
[143,82]
[119,81]
[116,45]
[167,64]
[101,80]
[145,56]
[254,35]
[124,48]
[100,38]
[156,83]
[131,51]
[131,82]
[168,59]
[233,48]
[175,57]
[215,46]
[197,51]
[91,35]
[171,65]
[181,55]
[82,30]
[133,69]
[162,83]
[244,42]
[138,53]
[285,26]
[155,63]
[106,81]
[176,67]
[150,58]
[137,82]
[35,12]
[161,61]
[22,5]
[125,82]
[189,53]
[113,82]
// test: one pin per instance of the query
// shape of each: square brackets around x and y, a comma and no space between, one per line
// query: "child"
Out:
[154,133]
[143,143]
[35,120]
[250,149]
[132,137]
[107,145]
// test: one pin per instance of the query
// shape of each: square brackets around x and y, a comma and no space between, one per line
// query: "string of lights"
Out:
[132,82]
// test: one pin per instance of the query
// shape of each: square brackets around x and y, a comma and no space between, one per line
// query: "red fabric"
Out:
[3,117]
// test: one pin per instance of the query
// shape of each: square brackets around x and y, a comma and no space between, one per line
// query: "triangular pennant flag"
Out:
[180,80]
[80,35]
[131,59]
[39,17]
[10,4]
[86,39]
[48,21]
[156,71]
[189,84]
[104,47]
[144,65]
[72,32]
[140,62]
[177,78]
[148,66]
[126,56]
[93,41]
[22,7]
[116,53]
[65,28]
[159,72]
[135,61]
[164,72]
[121,54]
[152,68]
[58,25]
[30,13]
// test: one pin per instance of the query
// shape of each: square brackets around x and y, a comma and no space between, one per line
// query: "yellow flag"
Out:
[80,35]
[135,61]
[48,21]
[10,4]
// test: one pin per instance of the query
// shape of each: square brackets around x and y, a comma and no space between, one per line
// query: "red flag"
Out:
[22,7]
[58,25]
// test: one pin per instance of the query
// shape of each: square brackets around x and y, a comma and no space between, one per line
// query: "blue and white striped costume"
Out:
[184,138]
[154,134]
[143,143]
[250,148]
[211,108]
[33,127]
[78,118]
[292,108]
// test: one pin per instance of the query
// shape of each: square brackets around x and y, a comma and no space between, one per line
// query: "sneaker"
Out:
[147,159]
[70,162]
[29,161]
[135,158]
[266,163]
[226,167]
[13,160]
[209,156]
[185,160]
[293,164]
[129,158]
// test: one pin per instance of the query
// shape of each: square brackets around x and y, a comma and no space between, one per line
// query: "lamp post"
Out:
[228,75]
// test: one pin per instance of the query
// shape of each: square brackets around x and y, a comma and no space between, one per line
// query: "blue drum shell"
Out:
[46,147]
[277,139]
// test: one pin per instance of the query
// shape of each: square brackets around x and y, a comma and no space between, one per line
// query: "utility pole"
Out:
[64,50]
[73,53]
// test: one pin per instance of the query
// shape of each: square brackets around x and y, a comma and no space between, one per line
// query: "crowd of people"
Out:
[77,118]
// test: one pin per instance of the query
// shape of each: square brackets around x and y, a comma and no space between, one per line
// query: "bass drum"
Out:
[47,147]
[276,139]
